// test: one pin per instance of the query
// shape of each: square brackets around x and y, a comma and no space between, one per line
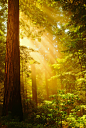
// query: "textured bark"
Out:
[12,97]
[34,87]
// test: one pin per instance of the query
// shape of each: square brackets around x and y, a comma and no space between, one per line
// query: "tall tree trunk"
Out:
[34,87]
[46,79]
[12,97]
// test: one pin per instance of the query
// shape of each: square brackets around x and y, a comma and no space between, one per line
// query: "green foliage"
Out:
[63,109]
[77,122]
[44,115]
[70,69]
[12,123]
[68,105]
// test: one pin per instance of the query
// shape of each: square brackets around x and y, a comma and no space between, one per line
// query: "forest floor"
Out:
[62,111]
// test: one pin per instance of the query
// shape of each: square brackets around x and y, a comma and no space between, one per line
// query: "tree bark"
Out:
[12,97]
[34,87]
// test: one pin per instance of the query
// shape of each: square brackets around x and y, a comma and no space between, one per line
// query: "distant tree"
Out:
[3,19]
[12,97]
[46,80]
[34,87]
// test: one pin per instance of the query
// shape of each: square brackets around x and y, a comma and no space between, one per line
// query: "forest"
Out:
[42,64]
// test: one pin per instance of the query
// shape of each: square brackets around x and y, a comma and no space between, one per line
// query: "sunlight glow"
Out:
[66,30]
[58,26]
[47,48]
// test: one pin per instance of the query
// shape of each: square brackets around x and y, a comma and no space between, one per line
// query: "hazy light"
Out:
[46,47]
[54,37]
[58,26]
[28,46]
[36,39]
[36,49]
[61,15]
[43,38]
[0,7]
[66,30]
[55,46]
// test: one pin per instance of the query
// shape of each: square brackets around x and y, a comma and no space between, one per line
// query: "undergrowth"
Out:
[63,110]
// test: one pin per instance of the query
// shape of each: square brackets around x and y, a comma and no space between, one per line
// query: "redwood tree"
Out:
[12,97]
